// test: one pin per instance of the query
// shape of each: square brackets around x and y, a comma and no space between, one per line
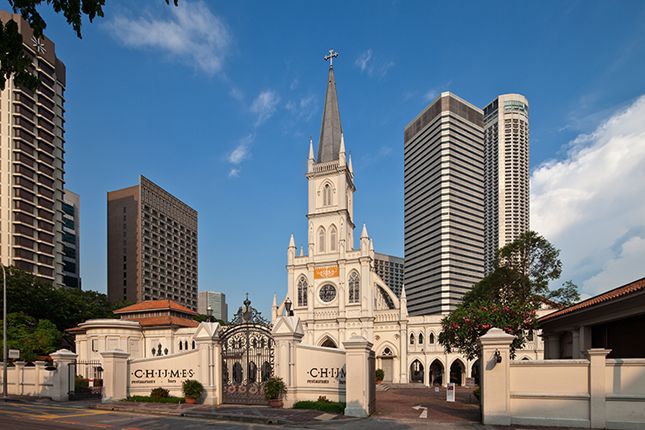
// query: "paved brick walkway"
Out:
[400,403]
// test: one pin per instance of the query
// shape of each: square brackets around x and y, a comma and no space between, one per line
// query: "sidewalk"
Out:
[249,414]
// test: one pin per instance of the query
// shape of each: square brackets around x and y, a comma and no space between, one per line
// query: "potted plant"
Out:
[380,374]
[274,390]
[192,390]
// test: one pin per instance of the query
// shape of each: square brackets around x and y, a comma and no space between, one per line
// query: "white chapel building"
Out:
[335,290]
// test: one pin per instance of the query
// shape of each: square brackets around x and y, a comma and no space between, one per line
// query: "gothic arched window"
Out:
[181,345]
[327,195]
[354,285]
[302,291]
[333,233]
[420,338]
[411,339]
[321,239]
[431,338]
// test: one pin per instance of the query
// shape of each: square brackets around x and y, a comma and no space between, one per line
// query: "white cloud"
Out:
[302,109]
[240,153]
[191,34]
[591,205]
[265,105]
[366,63]
[430,95]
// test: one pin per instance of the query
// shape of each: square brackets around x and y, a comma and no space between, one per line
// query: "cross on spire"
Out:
[330,57]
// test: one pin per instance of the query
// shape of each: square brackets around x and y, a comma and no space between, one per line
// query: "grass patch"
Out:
[148,399]
[321,405]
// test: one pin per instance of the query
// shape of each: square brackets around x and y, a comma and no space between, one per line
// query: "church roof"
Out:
[331,130]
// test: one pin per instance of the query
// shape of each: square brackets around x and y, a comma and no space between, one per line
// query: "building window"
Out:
[327,195]
[332,238]
[411,339]
[431,338]
[420,338]
[95,345]
[321,239]
[354,287]
[302,291]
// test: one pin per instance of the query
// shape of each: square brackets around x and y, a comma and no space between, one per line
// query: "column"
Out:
[287,333]
[20,377]
[445,379]
[210,362]
[360,377]
[576,351]
[597,388]
[63,381]
[495,390]
[39,377]
[115,375]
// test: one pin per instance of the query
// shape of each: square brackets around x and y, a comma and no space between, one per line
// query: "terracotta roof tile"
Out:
[631,288]
[165,321]
[149,305]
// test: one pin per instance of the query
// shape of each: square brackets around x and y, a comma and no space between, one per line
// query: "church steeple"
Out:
[331,130]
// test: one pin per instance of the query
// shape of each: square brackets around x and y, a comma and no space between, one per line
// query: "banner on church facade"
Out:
[326,272]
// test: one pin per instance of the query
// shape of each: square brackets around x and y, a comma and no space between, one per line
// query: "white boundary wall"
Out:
[593,393]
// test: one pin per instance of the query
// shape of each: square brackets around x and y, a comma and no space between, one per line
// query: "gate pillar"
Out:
[287,333]
[115,375]
[360,386]
[210,359]
[63,381]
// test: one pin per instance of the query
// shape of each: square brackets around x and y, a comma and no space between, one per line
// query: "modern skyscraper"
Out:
[506,172]
[444,204]
[71,240]
[217,302]
[152,246]
[31,163]
[391,270]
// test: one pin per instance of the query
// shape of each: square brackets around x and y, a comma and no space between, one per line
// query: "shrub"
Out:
[380,374]
[274,388]
[159,393]
[323,405]
[148,399]
[81,385]
[192,388]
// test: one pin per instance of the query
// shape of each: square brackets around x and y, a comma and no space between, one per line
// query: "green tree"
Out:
[64,307]
[508,297]
[13,60]
[33,337]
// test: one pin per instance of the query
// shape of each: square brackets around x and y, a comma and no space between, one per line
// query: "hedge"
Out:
[324,406]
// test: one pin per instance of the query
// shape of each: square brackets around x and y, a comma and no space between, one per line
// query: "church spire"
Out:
[331,130]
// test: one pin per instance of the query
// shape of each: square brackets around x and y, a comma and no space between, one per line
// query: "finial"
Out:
[311,148]
[364,232]
[292,242]
[302,251]
[330,57]
[342,142]
[350,165]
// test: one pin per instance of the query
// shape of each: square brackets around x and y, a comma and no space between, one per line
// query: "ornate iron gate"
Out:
[247,357]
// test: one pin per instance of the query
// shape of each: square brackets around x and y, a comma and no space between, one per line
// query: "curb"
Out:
[238,418]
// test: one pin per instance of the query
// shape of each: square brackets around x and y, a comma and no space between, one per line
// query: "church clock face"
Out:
[327,293]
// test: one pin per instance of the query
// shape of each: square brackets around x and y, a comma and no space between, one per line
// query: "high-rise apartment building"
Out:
[217,302]
[444,204]
[152,246]
[391,270]
[506,172]
[32,164]
[71,240]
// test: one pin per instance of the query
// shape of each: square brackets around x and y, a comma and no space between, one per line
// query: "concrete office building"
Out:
[32,164]
[391,270]
[506,173]
[444,204]
[71,240]
[152,246]
[217,302]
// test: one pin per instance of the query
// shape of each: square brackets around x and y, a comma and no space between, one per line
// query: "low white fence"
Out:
[593,393]
[38,380]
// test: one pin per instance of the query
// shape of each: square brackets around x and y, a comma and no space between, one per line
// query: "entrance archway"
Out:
[457,372]
[328,343]
[416,372]
[436,372]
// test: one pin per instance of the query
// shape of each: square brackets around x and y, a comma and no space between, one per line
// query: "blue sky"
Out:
[215,102]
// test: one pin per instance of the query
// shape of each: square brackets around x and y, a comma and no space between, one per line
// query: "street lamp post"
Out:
[4,332]
[209,313]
